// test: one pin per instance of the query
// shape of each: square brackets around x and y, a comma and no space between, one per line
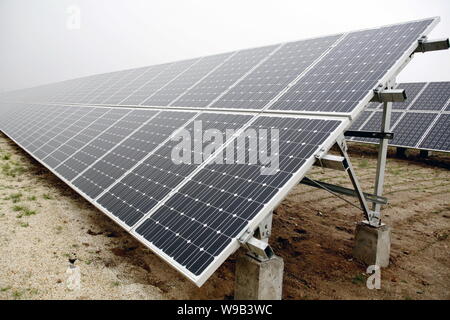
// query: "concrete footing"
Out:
[258,280]
[372,245]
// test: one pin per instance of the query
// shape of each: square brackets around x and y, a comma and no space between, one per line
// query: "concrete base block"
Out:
[256,280]
[372,245]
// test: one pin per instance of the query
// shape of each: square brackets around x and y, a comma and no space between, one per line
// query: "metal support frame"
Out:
[342,190]
[343,163]
[371,217]
[426,45]
[382,152]
[257,242]
[370,134]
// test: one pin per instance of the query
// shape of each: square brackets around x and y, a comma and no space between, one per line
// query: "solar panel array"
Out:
[111,137]
[421,122]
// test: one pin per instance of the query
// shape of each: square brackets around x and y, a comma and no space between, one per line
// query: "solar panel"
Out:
[114,145]
[221,79]
[166,74]
[187,80]
[156,175]
[269,79]
[343,78]
[434,97]
[206,215]
[375,124]
[419,126]
[438,138]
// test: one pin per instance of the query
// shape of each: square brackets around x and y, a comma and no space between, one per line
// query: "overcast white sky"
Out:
[36,47]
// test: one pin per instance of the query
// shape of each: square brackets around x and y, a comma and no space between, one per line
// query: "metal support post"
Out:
[382,155]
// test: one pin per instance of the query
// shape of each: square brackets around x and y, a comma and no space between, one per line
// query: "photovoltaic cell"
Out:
[216,83]
[117,85]
[80,134]
[111,131]
[432,100]
[167,75]
[348,73]
[135,85]
[412,90]
[374,124]
[153,179]
[165,96]
[411,128]
[439,136]
[361,119]
[434,97]
[195,225]
[265,82]
[129,152]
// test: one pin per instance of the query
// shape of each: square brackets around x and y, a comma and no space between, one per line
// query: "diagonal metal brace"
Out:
[342,190]
[372,217]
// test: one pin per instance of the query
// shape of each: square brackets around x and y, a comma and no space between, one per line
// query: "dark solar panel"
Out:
[434,97]
[438,138]
[410,129]
[169,94]
[134,195]
[265,82]
[109,168]
[412,90]
[167,73]
[201,219]
[351,70]
[374,124]
[219,81]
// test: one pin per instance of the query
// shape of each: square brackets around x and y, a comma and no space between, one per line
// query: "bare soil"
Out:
[44,224]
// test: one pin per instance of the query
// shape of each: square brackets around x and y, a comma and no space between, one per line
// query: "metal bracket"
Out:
[331,162]
[389,95]
[369,134]
[426,45]
[257,241]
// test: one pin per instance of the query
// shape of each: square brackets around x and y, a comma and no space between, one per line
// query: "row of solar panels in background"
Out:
[337,72]
[422,122]
[120,160]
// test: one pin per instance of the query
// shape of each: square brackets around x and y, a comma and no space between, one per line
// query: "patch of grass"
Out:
[88,262]
[6,156]
[32,198]
[17,294]
[116,284]
[29,212]
[15,197]
[33,291]
[363,164]
[47,196]
[59,229]
[5,289]
[358,279]
[12,171]
[24,225]
[17,208]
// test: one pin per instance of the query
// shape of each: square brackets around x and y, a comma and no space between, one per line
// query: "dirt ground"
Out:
[43,224]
